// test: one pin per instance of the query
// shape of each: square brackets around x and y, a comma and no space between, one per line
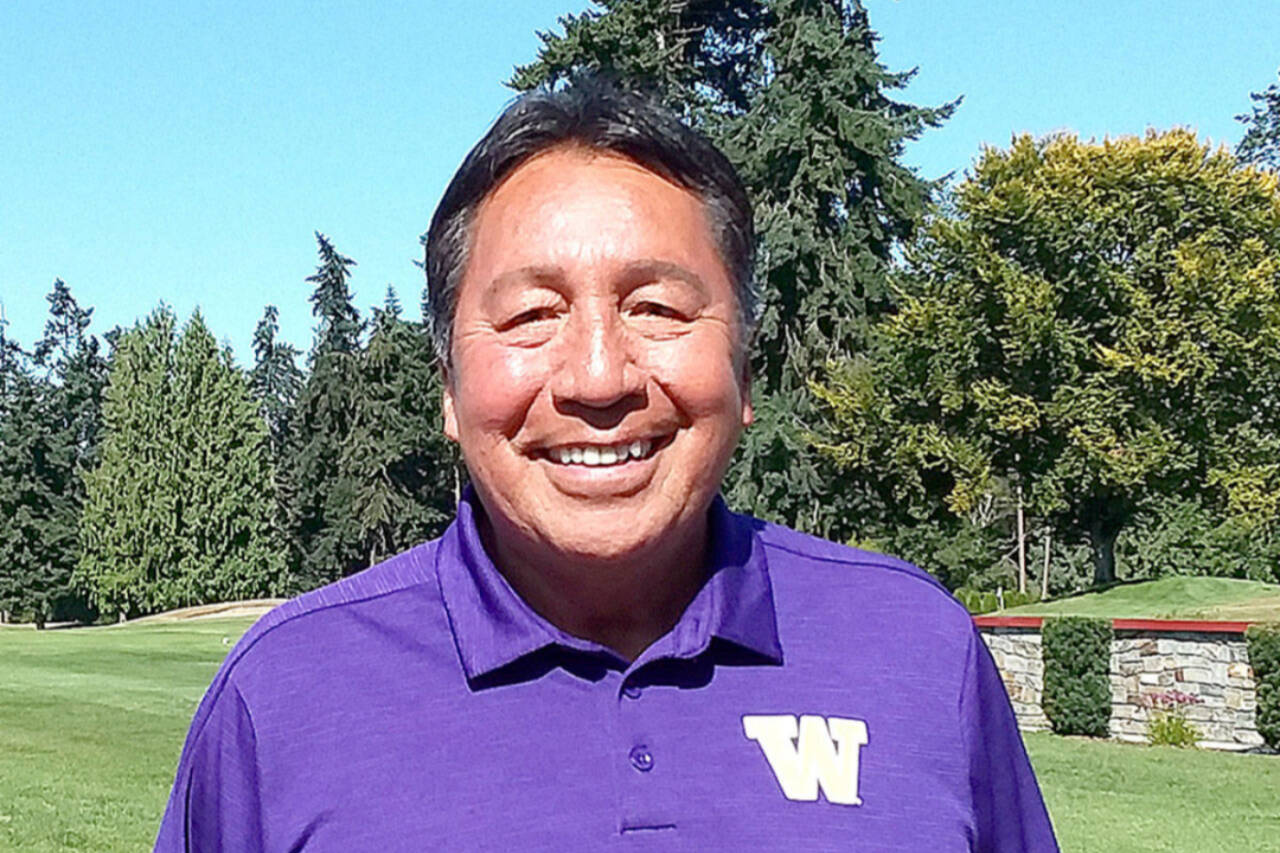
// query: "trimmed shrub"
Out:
[978,601]
[1264,657]
[1077,660]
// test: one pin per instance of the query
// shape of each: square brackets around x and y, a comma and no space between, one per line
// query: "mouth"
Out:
[606,455]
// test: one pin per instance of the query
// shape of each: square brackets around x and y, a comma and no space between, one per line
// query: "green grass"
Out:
[1117,798]
[1169,598]
[92,720]
[91,723]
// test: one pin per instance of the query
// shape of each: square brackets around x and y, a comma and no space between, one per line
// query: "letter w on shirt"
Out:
[814,752]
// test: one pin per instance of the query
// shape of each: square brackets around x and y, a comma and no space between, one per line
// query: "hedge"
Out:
[1077,660]
[1264,656]
[976,601]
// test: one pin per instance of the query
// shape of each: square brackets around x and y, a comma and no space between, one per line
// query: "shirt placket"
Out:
[645,807]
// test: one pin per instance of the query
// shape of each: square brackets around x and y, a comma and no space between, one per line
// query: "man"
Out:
[597,652]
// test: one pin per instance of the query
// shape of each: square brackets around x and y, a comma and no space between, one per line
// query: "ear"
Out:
[744,386]
[447,406]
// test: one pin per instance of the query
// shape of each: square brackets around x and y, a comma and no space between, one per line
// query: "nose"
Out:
[598,370]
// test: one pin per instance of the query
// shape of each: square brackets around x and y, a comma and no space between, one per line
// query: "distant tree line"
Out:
[1060,372]
[159,474]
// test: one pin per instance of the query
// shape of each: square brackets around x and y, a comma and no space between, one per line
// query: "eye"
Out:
[657,309]
[532,315]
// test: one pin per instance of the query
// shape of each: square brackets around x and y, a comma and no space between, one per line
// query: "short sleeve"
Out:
[214,805]
[1009,813]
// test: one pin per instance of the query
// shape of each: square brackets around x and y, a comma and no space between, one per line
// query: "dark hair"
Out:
[592,113]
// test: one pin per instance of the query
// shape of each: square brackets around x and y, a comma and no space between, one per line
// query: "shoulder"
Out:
[338,620]
[813,576]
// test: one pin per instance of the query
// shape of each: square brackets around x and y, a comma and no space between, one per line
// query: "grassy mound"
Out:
[1169,598]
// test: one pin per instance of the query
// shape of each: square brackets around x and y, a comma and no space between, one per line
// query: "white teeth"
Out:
[595,455]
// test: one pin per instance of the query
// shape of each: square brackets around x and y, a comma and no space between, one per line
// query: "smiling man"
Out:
[598,652]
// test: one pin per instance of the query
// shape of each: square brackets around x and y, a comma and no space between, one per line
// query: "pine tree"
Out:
[1260,145]
[314,497]
[275,381]
[229,545]
[48,439]
[128,558]
[792,91]
[181,509]
[397,470]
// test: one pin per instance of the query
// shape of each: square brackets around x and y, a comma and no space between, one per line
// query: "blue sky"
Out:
[186,152]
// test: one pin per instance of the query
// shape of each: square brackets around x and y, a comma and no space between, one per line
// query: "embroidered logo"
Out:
[810,753]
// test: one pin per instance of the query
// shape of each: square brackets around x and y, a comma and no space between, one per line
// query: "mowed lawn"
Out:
[91,722]
[1226,599]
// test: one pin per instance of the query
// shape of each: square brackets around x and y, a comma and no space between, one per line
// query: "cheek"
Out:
[496,386]
[701,378]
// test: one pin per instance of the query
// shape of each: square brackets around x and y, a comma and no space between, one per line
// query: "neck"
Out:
[623,602]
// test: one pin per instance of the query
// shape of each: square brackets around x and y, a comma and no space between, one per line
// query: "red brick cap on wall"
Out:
[1122,624]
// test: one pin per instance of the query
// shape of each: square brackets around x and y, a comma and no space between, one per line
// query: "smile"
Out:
[599,455]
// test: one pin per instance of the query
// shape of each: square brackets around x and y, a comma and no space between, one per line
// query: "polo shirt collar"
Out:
[493,626]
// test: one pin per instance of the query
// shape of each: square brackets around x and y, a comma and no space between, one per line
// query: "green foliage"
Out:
[1167,723]
[1183,536]
[1077,660]
[1261,143]
[181,509]
[792,91]
[50,408]
[1264,656]
[1099,323]
[978,601]
[275,380]
[397,472]
[314,498]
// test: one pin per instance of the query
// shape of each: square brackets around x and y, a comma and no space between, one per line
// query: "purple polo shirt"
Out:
[811,697]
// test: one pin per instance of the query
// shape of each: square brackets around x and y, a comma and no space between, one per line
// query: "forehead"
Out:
[570,204]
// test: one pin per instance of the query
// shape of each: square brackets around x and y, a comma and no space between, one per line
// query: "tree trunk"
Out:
[1044,576]
[1022,546]
[1102,544]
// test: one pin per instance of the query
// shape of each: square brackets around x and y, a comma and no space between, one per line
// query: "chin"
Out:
[591,541]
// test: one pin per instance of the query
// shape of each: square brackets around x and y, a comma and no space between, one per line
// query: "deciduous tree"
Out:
[1099,322]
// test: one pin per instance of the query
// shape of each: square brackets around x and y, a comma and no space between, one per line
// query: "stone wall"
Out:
[1213,667]
[1017,655]
[1210,665]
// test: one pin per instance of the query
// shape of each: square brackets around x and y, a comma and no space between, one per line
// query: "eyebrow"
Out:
[651,268]
[535,273]
[634,272]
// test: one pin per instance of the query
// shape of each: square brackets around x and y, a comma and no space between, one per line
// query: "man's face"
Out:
[597,388]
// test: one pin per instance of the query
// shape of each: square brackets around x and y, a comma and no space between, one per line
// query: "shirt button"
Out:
[631,691]
[641,758]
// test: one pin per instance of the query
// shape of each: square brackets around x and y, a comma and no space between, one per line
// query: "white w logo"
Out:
[826,754]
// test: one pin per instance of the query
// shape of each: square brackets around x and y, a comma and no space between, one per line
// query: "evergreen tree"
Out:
[181,509]
[48,440]
[39,530]
[229,546]
[129,537]
[314,497]
[792,91]
[1261,143]
[275,381]
[397,470]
